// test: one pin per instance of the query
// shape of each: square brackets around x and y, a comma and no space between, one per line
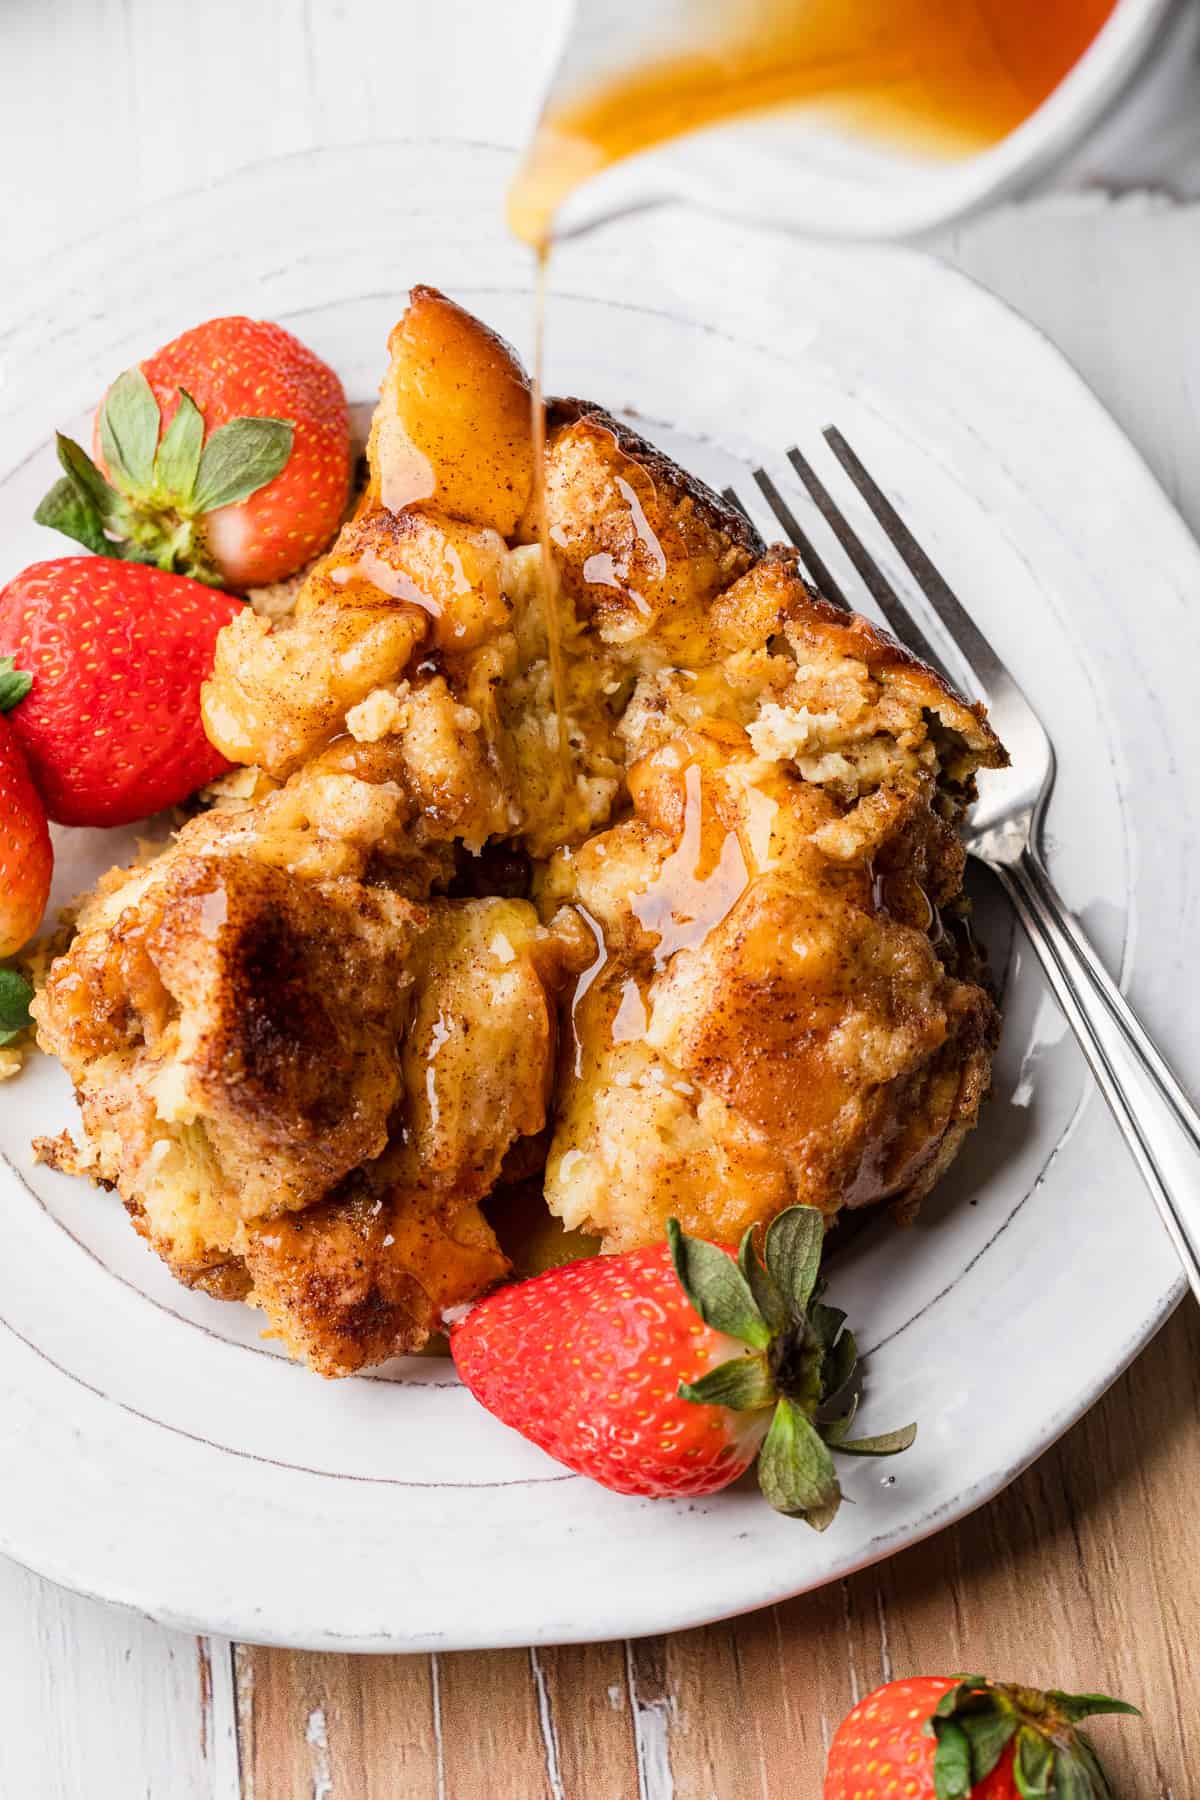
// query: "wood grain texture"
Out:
[1079,1575]
[99,1702]
[302,1718]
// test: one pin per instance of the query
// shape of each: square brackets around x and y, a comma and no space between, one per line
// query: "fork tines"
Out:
[899,618]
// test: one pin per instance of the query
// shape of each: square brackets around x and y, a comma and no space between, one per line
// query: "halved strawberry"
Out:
[666,1371]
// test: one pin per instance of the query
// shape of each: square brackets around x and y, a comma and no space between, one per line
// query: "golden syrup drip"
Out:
[598,966]
[955,75]
[695,890]
[368,569]
[551,586]
[698,885]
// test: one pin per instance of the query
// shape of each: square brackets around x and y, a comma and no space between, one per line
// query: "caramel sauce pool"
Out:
[958,75]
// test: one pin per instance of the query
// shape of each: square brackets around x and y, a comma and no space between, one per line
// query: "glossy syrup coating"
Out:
[729,977]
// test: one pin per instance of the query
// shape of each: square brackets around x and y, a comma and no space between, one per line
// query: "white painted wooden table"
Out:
[110,105]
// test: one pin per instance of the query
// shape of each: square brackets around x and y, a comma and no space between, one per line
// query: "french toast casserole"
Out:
[704,959]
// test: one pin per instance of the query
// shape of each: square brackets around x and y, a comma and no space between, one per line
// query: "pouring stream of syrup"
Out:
[551,581]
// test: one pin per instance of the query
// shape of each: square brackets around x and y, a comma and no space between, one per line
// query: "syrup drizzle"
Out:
[699,883]
[370,568]
[695,890]
[595,969]
[551,584]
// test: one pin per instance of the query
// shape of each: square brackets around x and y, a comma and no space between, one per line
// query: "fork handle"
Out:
[1157,1120]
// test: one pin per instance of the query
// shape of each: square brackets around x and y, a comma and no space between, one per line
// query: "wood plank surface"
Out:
[1083,1574]
[95,1702]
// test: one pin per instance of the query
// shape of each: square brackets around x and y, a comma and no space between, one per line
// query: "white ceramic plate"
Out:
[154,1450]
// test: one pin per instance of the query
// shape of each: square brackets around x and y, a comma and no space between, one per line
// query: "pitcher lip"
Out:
[1131,39]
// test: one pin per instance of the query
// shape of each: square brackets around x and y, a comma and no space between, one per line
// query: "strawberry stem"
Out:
[977,1720]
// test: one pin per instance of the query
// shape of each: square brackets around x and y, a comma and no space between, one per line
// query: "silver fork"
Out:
[1156,1118]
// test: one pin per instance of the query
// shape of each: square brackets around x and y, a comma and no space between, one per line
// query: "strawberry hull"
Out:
[937,1737]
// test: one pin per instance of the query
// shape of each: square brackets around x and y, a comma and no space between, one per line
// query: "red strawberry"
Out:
[111,726]
[954,1738]
[227,458]
[26,859]
[666,1371]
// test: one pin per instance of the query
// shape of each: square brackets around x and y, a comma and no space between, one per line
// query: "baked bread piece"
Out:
[260,1033]
[713,963]
[776,1013]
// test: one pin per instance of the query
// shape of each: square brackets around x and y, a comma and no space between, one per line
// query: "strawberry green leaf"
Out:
[1051,1761]
[770,1302]
[952,1764]
[717,1288]
[989,1735]
[888,1443]
[1035,1773]
[238,459]
[68,509]
[839,1429]
[840,1375]
[15,995]
[1089,1764]
[793,1253]
[14,684]
[950,1702]
[129,427]
[79,468]
[826,1321]
[795,1469]
[1087,1706]
[178,457]
[743,1383]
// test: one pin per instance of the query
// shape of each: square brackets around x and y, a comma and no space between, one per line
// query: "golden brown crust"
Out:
[453,426]
[642,547]
[769,1021]
[355,1281]
[816,626]
[263,965]
[328,1022]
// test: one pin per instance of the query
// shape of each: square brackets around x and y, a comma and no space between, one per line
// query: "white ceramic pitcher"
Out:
[1127,115]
